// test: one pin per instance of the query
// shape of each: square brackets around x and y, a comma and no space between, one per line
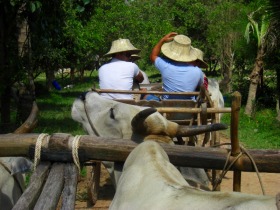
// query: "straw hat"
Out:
[201,62]
[122,45]
[179,49]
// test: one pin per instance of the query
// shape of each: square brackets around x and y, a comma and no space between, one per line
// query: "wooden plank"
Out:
[30,195]
[52,190]
[110,149]
[146,92]
[193,110]
[70,187]
[93,182]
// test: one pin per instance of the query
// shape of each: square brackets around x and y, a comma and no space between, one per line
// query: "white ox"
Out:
[12,180]
[109,118]
[150,181]
[216,95]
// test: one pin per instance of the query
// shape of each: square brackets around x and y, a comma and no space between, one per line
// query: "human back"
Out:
[117,75]
[178,72]
[178,77]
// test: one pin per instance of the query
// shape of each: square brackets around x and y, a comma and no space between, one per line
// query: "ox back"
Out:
[150,181]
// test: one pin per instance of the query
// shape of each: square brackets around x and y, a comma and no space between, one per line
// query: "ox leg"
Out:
[196,177]
[180,140]
[192,141]
[115,170]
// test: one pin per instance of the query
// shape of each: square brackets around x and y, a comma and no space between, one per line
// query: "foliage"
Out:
[77,33]
[136,21]
[262,29]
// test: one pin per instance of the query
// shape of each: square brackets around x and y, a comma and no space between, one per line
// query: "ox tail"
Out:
[185,131]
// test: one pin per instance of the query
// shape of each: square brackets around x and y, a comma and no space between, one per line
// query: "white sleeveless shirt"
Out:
[117,75]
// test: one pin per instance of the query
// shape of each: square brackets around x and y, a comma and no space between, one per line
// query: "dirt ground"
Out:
[249,184]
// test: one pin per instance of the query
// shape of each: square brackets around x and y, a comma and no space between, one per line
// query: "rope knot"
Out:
[75,155]
[38,147]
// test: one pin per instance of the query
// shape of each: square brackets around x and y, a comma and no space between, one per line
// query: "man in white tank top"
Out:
[119,73]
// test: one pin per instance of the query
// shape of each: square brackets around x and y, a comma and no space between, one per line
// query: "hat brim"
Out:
[177,56]
[120,51]
[135,57]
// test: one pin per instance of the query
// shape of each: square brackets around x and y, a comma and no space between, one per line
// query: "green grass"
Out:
[259,132]
[262,132]
[55,106]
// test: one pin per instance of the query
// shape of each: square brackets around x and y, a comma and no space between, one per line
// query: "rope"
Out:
[225,170]
[89,120]
[75,155]
[256,168]
[38,147]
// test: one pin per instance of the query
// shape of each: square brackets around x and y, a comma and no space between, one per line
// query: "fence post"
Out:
[235,148]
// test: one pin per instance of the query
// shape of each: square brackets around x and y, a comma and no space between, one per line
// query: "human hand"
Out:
[169,37]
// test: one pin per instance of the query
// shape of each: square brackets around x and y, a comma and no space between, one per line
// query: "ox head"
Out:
[108,118]
[160,129]
[104,117]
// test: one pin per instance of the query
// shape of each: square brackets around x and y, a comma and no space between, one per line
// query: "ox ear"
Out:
[138,122]
[82,96]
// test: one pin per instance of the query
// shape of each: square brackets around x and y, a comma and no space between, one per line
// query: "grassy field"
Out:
[262,132]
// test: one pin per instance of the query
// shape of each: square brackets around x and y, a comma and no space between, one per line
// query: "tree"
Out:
[223,38]
[10,61]
[263,32]
[274,15]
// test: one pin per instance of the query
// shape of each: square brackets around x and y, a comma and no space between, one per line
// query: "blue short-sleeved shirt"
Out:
[178,77]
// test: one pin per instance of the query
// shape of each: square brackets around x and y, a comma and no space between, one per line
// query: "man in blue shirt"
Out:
[179,73]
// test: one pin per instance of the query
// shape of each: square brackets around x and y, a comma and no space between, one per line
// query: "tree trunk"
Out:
[278,95]
[5,81]
[5,110]
[227,64]
[72,74]
[49,78]
[254,81]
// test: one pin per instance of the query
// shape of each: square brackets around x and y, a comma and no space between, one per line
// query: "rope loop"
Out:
[38,147]
[226,168]
[75,155]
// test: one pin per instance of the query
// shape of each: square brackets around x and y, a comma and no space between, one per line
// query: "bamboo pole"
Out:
[98,148]
[146,92]
[235,148]
[192,110]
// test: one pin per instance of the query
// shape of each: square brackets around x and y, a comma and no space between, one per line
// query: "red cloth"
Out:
[205,82]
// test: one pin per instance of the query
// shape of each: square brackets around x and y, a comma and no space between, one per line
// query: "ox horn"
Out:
[30,122]
[184,131]
[137,122]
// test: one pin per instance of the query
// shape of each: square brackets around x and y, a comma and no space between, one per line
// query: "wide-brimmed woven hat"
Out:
[179,49]
[201,62]
[122,45]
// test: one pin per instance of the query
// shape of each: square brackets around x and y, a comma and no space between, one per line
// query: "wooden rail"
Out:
[97,148]
[192,110]
[146,92]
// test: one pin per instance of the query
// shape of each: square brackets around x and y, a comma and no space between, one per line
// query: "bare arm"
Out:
[139,77]
[156,49]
